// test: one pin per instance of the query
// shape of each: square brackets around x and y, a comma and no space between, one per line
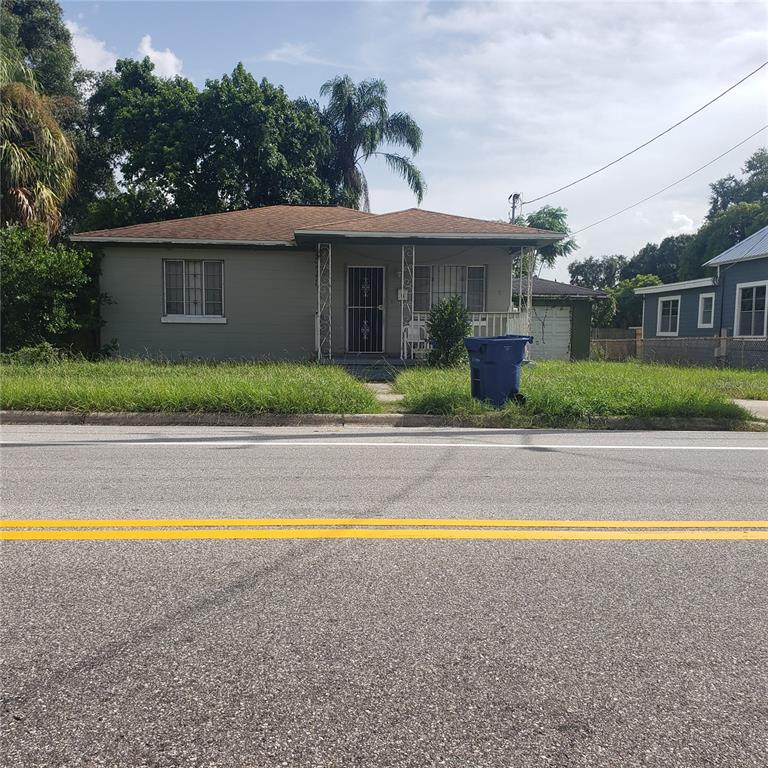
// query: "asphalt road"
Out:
[383,652]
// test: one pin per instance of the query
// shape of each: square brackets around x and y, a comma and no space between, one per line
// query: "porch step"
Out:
[373,368]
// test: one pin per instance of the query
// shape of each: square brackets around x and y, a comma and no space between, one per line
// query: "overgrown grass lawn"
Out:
[571,394]
[133,385]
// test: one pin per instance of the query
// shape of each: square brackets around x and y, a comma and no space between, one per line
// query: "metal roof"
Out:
[753,247]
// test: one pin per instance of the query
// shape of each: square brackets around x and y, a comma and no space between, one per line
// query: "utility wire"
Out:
[673,184]
[646,143]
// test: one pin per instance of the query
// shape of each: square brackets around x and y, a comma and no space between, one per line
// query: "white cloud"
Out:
[528,96]
[640,219]
[167,63]
[293,53]
[91,52]
[681,224]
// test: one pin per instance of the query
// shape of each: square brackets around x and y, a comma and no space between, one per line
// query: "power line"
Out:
[669,186]
[646,143]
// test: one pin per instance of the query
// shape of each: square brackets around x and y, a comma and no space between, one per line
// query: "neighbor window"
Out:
[432,284]
[194,288]
[750,310]
[669,316]
[706,310]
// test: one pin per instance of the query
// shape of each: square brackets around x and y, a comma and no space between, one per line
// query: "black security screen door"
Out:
[365,309]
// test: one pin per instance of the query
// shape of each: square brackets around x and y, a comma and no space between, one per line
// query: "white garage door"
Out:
[551,331]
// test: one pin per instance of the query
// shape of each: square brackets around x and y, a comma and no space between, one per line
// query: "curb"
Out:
[206,419]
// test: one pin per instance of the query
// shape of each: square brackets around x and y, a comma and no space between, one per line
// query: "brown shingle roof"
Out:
[274,223]
[280,223]
[542,287]
[419,221]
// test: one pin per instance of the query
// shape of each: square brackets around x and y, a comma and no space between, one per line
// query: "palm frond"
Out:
[366,196]
[372,102]
[401,129]
[37,158]
[404,167]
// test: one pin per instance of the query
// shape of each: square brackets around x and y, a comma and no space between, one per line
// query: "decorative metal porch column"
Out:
[407,270]
[323,318]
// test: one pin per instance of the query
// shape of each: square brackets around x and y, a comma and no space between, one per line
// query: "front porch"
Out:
[373,302]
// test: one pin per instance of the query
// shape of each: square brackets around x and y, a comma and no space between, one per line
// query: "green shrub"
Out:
[447,326]
[43,353]
[39,288]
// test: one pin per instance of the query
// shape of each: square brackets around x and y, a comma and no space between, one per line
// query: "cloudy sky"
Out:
[512,97]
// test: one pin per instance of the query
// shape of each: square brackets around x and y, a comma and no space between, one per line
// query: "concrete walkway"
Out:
[758,408]
[383,392]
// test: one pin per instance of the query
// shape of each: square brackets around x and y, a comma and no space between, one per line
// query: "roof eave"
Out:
[95,239]
[569,296]
[717,262]
[410,237]
[701,282]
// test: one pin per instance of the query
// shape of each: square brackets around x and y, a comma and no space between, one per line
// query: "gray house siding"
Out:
[269,304]
[731,275]
[270,301]
[496,260]
[689,312]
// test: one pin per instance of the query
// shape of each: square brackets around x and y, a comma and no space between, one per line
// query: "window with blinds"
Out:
[193,288]
[434,283]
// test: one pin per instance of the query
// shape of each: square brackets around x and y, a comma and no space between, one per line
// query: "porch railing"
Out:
[481,324]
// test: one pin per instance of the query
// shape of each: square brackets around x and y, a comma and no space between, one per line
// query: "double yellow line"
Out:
[122,529]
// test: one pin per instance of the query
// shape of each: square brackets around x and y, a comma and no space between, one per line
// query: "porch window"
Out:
[668,321]
[750,310]
[193,289]
[434,283]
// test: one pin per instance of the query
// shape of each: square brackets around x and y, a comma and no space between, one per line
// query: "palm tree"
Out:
[358,119]
[555,220]
[37,160]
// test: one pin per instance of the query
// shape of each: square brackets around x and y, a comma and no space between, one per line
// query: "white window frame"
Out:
[701,323]
[737,307]
[185,318]
[662,299]
[466,268]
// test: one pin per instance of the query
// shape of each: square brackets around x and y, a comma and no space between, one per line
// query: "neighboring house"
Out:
[730,305]
[302,282]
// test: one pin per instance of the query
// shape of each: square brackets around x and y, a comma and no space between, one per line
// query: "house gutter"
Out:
[411,237]
[182,241]
[702,282]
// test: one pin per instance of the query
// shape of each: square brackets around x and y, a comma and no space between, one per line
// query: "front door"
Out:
[365,309]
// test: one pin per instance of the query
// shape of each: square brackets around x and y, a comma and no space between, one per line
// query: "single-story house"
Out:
[315,282]
[732,304]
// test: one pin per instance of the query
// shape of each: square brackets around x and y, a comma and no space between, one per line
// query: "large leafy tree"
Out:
[751,188]
[361,127]
[663,259]
[37,159]
[629,306]
[597,271]
[257,146]
[34,31]
[183,152]
[719,233]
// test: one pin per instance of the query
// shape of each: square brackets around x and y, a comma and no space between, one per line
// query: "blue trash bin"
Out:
[495,363]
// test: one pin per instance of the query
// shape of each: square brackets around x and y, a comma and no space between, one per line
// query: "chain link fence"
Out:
[721,351]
